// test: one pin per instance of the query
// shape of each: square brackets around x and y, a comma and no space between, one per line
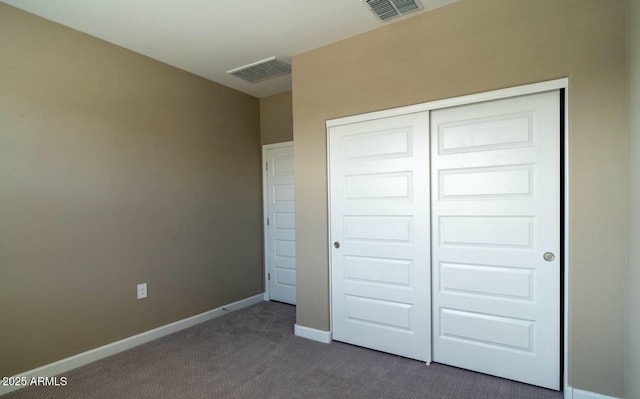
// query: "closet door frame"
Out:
[557,84]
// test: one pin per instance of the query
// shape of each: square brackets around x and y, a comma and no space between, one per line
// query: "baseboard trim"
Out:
[70,363]
[312,334]
[571,393]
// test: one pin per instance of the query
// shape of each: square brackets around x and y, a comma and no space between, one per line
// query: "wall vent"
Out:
[262,70]
[388,9]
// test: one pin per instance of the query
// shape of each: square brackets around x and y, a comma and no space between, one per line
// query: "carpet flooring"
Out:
[252,353]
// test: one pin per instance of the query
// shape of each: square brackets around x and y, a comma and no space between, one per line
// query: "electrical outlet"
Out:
[142,290]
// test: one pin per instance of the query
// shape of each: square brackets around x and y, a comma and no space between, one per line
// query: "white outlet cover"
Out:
[142,290]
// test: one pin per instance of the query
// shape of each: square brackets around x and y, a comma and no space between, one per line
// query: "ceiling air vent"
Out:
[262,70]
[387,9]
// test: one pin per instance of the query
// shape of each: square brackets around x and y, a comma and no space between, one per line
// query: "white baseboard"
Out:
[571,393]
[70,363]
[312,334]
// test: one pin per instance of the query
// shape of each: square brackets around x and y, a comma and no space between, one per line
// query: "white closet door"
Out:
[379,189]
[280,237]
[496,237]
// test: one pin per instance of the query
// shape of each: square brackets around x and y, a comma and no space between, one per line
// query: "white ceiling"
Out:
[210,37]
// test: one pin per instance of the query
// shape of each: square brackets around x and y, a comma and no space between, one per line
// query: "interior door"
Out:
[496,237]
[280,217]
[379,190]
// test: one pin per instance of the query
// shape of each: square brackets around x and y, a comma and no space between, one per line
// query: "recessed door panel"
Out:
[378,228]
[492,183]
[487,281]
[486,231]
[392,186]
[382,144]
[485,132]
[486,331]
[378,270]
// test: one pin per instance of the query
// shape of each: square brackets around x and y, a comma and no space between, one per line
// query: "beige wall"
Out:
[276,119]
[470,47]
[632,351]
[116,169]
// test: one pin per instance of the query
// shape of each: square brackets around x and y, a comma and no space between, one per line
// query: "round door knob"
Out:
[336,244]
[549,256]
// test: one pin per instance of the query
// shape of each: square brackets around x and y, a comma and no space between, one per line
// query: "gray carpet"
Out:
[252,353]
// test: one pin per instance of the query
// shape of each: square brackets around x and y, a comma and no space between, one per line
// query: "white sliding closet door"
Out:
[380,278]
[496,237]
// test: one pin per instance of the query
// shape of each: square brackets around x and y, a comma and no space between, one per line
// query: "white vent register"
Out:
[388,9]
[262,70]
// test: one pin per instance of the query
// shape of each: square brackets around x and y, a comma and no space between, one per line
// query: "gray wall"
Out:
[276,118]
[116,169]
[470,47]
[632,350]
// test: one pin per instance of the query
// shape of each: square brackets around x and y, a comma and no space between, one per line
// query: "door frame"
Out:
[265,206]
[557,84]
